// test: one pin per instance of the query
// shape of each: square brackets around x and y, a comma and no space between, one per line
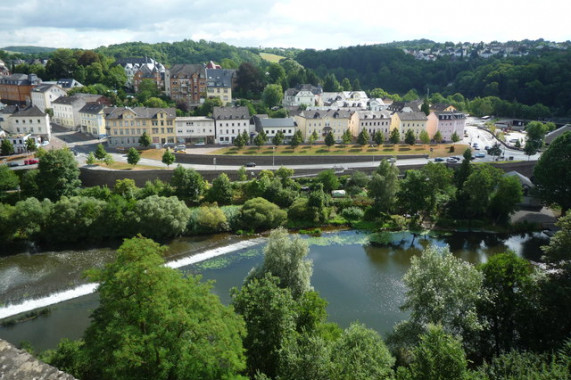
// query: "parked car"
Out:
[438,159]
[180,148]
[12,164]
[250,164]
[450,160]
[480,155]
[30,161]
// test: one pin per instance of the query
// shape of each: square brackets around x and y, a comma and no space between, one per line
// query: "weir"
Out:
[85,289]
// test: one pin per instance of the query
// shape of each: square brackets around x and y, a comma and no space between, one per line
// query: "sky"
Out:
[316,24]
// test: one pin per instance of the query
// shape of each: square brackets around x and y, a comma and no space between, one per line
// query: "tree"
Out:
[313,137]
[168,157]
[246,138]
[276,73]
[424,137]
[384,186]
[239,141]
[209,219]
[331,84]
[296,139]
[221,190]
[378,137]
[145,140]
[286,259]
[394,136]
[58,174]
[31,145]
[208,106]
[249,81]
[329,139]
[346,84]
[108,159]
[261,214]
[153,323]
[328,179]
[442,289]
[425,107]
[242,176]
[439,356]
[260,139]
[7,148]
[505,198]
[455,138]
[126,188]
[360,353]
[133,156]
[438,137]
[8,179]
[535,134]
[507,279]
[414,193]
[278,138]
[272,95]
[269,313]
[188,183]
[480,186]
[409,137]
[161,217]
[552,175]
[100,152]
[347,137]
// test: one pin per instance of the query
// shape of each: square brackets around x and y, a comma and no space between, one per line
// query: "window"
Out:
[155,130]
[169,130]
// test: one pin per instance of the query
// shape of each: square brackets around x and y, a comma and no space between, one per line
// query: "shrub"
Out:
[260,214]
[352,213]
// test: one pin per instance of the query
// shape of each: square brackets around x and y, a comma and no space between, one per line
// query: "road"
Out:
[82,144]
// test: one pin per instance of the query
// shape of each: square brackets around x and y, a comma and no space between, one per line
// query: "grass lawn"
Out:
[153,154]
[126,166]
[440,150]
[273,58]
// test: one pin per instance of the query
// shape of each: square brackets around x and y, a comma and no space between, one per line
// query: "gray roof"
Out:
[182,70]
[228,113]
[140,112]
[44,87]
[77,98]
[450,115]
[369,115]
[30,111]
[92,108]
[522,179]
[281,122]
[219,77]
[317,114]
[68,83]
[21,79]
[412,116]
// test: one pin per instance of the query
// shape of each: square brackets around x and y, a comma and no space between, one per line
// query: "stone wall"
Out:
[19,365]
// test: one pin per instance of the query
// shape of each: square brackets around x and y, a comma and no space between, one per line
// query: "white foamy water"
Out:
[83,290]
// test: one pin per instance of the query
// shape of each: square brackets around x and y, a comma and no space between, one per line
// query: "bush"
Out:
[260,214]
[208,219]
[352,213]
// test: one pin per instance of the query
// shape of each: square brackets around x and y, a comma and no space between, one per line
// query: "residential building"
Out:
[44,94]
[19,141]
[17,88]
[323,122]
[374,121]
[66,108]
[219,83]
[404,121]
[447,122]
[377,104]
[551,136]
[132,65]
[230,122]
[149,71]
[303,94]
[271,127]
[68,83]
[4,72]
[186,84]
[92,119]
[126,125]
[442,107]
[195,130]
[26,121]
[350,100]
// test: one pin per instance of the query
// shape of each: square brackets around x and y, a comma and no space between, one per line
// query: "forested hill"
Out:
[543,76]
[186,51]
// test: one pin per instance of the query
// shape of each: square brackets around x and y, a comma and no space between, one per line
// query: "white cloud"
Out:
[286,23]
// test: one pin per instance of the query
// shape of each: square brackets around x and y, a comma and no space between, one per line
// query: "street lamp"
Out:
[273,156]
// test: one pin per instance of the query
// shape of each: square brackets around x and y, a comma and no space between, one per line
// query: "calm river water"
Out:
[360,282]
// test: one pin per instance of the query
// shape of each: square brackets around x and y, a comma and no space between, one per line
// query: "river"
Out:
[360,282]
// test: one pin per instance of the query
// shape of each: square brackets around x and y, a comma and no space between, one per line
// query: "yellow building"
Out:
[404,121]
[126,125]
[323,122]
[219,84]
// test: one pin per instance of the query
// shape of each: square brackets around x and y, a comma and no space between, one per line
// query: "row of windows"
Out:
[373,123]
[30,121]
[188,131]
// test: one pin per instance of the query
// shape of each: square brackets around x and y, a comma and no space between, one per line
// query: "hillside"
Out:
[28,49]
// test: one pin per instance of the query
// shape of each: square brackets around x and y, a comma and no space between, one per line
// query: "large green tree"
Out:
[168,157]
[261,214]
[58,174]
[7,148]
[552,175]
[394,136]
[144,140]
[384,186]
[133,156]
[8,179]
[329,139]
[154,323]
[221,191]
[272,95]
[159,217]
[188,183]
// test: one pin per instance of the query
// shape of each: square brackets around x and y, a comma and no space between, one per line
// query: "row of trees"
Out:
[501,320]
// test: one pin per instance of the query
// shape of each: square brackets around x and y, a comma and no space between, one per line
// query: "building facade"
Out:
[373,121]
[31,121]
[66,108]
[195,130]
[186,84]
[126,125]
[323,122]
[271,127]
[92,119]
[17,88]
[405,121]
[447,122]
[230,122]
[44,94]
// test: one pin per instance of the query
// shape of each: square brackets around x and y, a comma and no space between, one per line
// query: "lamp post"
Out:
[273,156]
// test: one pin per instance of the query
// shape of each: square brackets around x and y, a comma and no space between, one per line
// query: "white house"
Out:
[271,127]
[195,130]
[44,94]
[305,94]
[66,109]
[30,121]
[230,122]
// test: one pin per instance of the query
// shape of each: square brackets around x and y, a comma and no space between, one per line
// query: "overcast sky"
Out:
[278,23]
